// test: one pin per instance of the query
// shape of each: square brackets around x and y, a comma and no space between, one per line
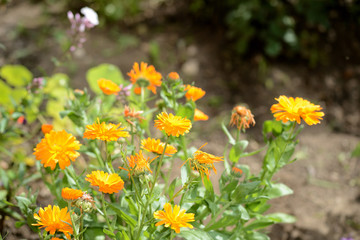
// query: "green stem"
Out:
[105,214]
[75,233]
[108,158]
[152,189]
[169,173]
[171,234]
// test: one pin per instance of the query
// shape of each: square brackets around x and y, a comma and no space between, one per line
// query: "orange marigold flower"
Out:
[105,132]
[193,93]
[107,183]
[200,116]
[108,87]
[145,75]
[173,76]
[57,147]
[203,161]
[237,170]
[55,238]
[71,194]
[53,219]
[172,125]
[138,164]
[242,117]
[46,128]
[156,146]
[290,109]
[132,113]
[174,219]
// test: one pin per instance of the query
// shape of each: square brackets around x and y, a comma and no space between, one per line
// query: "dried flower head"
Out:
[105,132]
[138,164]
[203,162]
[156,146]
[71,194]
[108,87]
[57,147]
[46,128]
[172,125]
[242,118]
[174,219]
[145,76]
[200,116]
[193,93]
[107,183]
[53,219]
[290,109]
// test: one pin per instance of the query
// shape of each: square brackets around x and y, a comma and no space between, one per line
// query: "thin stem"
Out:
[171,234]
[169,173]
[75,233]
[152,188]
[105,214]
[108,158]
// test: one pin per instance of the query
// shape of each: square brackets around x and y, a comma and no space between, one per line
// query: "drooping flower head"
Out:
[138,164]
[290,109]
[242,118]
[193,93]
[203,162]
[200,116]
[53,219]
[108,87]
[46,128]
[131,114]
[105,132]
[172,125]
[107,183]
[237,170]
[71,194]
[57,147]
[156,146]
[145,76]
[175,219]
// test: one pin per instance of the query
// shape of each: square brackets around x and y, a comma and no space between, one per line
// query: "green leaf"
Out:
[57,81]
[194,234]
[94,233]
[5,94]
[279,190]
[184,174]
[16,75]
[172,186]
[122,214]
[108,232]
[281,218]
[23,203]
[125,236]
[226,131]
[257,236]
[244,189]
[107,71]
[186,110]
[223,222]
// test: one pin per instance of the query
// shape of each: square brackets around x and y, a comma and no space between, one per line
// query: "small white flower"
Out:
[90,15]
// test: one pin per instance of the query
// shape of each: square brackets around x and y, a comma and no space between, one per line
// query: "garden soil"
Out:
[325,178]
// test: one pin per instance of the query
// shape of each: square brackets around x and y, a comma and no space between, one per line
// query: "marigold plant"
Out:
[172,125]
[145,75]
[105,132]
[108,87]
[107,183]
[193,93]
[156,146]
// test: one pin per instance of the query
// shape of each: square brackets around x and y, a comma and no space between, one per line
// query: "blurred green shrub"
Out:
[278,27]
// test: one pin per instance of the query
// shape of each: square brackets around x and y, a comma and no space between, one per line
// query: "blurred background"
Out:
[240,52]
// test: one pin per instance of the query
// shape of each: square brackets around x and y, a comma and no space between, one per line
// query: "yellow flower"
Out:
[105,132]
[156,146]
[200,116]
[57,147]
[107,183]
[54,219]
[172,125]
[46,128]
[108,87]
[241,117]
[193,93]
[203,161]
[290,109]
[173,76]
[174,219]
[145,75]
[71,194]
[138,164]
[55,238]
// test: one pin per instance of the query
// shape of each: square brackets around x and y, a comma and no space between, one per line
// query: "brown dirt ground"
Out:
[325,179]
